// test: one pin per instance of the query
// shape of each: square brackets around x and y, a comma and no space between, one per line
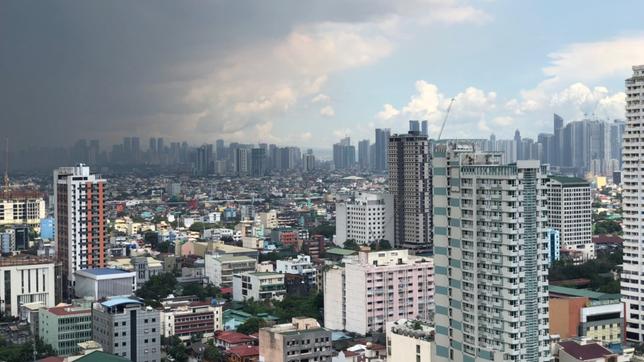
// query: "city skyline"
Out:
[281,73]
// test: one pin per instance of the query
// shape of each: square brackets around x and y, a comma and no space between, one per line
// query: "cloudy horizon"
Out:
[307,73]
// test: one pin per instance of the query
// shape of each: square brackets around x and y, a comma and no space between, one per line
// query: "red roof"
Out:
[607,239]
[244,351]
[585,352]
[233,337]
[52,359]
[226,291]
[69,310]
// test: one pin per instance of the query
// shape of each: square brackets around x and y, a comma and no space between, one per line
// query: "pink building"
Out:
[376,287]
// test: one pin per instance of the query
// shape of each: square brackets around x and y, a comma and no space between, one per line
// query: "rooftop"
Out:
[573,292]
[120,301]
[234,337]
[244,351]
[584,352]
[68,310]
[104,271]
[24,259]
[340,251]
[570,181]
[98,356]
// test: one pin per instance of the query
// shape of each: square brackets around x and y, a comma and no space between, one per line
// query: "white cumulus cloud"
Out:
[327,111]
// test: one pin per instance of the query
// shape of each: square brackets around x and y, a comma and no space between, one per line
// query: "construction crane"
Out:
[445,119]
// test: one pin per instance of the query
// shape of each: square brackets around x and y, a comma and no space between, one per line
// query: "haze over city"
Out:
[307,73]
[332,181]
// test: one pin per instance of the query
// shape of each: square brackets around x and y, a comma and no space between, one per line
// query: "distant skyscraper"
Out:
[363,154]
[242,161]
[152,148]
[633,205]
[127,146]
[410,184]
[518,143]
[204,160]
[136,149]
[258,162]
[308,161]
[423,129]
[414,126]
[79,198]
[344,154]
[381,149]
[558,124]
[160,146]
[220,149]
[490,256]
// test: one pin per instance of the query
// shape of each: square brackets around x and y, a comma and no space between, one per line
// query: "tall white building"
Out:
[365,217]
[570,212]
[374,288]
[633,206]
[80,221]
[491,257]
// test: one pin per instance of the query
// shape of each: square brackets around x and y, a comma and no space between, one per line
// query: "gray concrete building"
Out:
[127,328]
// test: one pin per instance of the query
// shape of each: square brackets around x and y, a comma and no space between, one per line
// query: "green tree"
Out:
[382,244]
[176,348]
[158,287]
[200,291]
[326,229]
[351,244]
[607,227]
[212,353]
[252,325]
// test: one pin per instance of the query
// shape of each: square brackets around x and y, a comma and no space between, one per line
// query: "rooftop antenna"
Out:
[6,167]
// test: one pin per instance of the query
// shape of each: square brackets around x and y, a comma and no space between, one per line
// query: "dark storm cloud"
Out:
[71,69]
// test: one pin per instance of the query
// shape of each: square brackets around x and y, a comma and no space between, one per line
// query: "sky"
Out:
[297,72]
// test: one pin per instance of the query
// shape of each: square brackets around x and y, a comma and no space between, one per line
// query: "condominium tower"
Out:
[570,212]
[633,206]
[410,183]
[80,221]
[491,257]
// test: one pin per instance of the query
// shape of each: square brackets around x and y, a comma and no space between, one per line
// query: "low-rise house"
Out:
[185,318]
[229,339]
[258,286]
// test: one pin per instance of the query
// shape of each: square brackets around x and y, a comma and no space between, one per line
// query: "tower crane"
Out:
[440,133]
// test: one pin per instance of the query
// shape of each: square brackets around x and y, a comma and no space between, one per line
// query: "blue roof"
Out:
[104,271]
[119,301]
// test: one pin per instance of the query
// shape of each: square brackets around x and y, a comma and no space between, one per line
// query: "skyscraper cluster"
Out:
[576,148]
